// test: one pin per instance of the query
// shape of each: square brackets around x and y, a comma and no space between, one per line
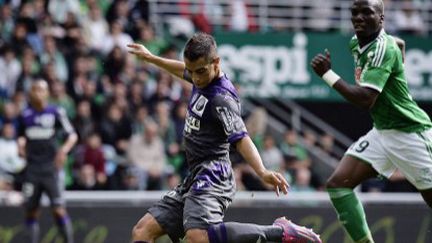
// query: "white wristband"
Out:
[330,77]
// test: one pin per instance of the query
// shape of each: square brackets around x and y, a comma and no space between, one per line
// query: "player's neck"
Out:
[39,107]
[366,40]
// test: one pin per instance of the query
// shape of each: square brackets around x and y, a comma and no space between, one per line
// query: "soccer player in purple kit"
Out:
[195,209]
[39,125]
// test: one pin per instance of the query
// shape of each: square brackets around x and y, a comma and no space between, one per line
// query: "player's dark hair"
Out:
[200,45]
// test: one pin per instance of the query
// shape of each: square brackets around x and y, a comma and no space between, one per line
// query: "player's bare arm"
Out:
[174,67]
[61,155]
[21,146]
[362,97]
[250,153]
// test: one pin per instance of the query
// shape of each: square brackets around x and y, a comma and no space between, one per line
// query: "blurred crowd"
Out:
[129,115]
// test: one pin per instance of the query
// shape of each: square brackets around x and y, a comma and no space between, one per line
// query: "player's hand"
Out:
[60,159]
[140,51]
[321,63]
[276,180]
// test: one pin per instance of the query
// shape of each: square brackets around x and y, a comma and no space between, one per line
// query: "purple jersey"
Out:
[40,129]
[213,121]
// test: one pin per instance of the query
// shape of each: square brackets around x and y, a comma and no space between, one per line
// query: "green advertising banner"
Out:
[277,64]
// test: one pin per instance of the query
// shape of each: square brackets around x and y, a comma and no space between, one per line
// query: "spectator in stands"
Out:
[146,151]
[136,96]
[9,113]
[10,69]
[95,28]
[86,179]
[326,143]
[291,147]
[60,98]
[83,122]
[271,155]
[320,15]
[241,20]
[147,37]
[408,19]
[10,162]
[51,54]
[78,78]
[302,182]
[59,9]
[19,37]
[30,70]
[7,22]
[116,129]
[256,125]
[309,138]
[162,116]
[114,63]
[116,37]
[140,118]
[90,153]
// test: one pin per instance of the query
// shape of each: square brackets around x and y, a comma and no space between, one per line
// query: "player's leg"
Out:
[165,217]
[54,188]
[412,154]
[203,216]
[350,173]
[146,230]
[32,194]
[282,230]
[362,161]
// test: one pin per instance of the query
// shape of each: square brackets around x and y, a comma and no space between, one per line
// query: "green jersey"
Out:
[379,66]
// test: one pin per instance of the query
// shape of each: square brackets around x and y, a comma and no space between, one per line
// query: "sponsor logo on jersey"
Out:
[357,74]
[46,120]
[199,106]
[191,123]
[39,132]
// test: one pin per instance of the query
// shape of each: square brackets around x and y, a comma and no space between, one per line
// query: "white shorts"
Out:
[387,150]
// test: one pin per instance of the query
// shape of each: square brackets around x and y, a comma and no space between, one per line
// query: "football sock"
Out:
[351,214]
[32,230]
[232,232]
[65,228]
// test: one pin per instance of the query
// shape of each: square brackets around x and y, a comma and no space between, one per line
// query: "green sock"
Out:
[351,214]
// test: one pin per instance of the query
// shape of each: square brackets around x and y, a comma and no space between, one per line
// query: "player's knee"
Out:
[140,232]
[196,236]
[145,229]
[32,214]
[332,183]
[59,211]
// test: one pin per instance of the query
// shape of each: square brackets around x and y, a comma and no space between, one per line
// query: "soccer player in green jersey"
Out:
[401,136]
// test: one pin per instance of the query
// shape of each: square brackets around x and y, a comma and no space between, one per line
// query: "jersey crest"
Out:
[199,106]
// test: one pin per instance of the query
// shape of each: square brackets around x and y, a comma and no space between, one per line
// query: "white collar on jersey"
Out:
[361,50]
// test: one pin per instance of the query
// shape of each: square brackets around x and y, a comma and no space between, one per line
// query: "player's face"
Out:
[39,93]
[366,19]
[202,71]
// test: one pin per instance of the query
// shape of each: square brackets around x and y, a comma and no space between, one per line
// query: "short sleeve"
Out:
[227,111]
[379,67]
[64,121]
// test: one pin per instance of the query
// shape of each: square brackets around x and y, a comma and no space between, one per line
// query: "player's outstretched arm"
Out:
[247,149]
[362,97]
[174,67]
